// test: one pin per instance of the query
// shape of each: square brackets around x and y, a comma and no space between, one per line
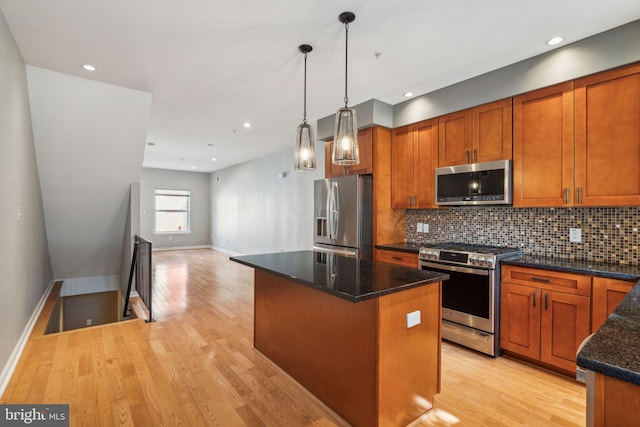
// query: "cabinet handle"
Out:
[546,302]
[415,201]
[540,279]
[534,299]
[397,258]
[466,156]
[475,155]
[566,196]
[579,195]
[409,201]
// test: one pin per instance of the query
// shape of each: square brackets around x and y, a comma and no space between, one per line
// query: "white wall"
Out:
[254,211]
[198,184]
[90,139]
[24,264]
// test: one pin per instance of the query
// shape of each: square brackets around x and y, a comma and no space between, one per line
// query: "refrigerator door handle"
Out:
[333,210]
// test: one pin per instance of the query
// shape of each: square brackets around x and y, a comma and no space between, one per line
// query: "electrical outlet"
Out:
[419,227]
[425,228]
[413,319]
[89,322]
[575,235]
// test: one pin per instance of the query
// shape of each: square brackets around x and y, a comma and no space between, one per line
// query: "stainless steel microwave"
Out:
[488,183]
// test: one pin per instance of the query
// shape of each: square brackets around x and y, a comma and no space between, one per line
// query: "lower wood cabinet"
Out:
[607,294]
[405,259]
[544,315]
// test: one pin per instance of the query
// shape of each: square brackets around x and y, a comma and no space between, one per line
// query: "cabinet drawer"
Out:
[546,279]
[396,257]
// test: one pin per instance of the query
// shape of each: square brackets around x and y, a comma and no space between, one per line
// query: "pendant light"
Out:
[304,156]
[345,136]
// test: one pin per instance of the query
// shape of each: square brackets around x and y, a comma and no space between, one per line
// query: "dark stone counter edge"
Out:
[412,248]
[579,267]
[439,278]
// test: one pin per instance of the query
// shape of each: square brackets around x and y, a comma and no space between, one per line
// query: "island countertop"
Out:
[348,278]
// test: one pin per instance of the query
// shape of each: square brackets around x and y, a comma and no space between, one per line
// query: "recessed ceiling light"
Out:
[213,159]
[247,124]
[555,40]
[407,94]
[193,167]
[209,145]
[151,143]
[89,67]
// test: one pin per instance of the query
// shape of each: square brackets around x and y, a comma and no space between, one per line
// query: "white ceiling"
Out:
[211,65]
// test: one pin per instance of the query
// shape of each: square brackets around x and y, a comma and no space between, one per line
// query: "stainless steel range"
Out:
[471,297]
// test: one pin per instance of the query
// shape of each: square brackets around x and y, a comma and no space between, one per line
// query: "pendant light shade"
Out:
[304,155]
[345,150]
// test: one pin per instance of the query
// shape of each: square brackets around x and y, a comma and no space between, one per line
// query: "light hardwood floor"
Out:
[196,366]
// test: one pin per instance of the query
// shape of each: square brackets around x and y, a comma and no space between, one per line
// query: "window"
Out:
[172,211]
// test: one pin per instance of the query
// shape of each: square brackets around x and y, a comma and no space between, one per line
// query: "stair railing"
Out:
[141,265]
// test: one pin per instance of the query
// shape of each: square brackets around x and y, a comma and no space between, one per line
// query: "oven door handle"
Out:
[476,271]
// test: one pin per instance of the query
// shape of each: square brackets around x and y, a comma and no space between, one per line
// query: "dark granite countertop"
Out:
[410,247]
[601,269]
[348,278]
[614,349]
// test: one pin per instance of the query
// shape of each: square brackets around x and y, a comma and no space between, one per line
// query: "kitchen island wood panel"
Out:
[359,358]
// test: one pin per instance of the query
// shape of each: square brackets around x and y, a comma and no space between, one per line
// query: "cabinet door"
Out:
[425,153]
[365,147]
[564,325]
[331,170]
[608,138]
[520,319]
[402,192]
[607,294]
[492,132]
[543,147]
[454,139]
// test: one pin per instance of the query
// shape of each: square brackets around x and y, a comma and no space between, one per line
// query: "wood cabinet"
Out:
[414,157]
[578,143]
[543,147]
[365,146]
[607,138]
[479,134]
[607,294]
[544,315]
[616,402]
[405,259]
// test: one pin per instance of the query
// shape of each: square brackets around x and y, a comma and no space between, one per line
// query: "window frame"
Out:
[168,192]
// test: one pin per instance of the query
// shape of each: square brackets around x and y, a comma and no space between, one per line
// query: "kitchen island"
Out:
[363,337]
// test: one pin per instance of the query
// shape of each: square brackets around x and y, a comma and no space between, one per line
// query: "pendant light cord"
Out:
[346,62]
[304,120]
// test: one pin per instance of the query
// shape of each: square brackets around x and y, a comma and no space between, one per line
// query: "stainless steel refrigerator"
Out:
[343,209]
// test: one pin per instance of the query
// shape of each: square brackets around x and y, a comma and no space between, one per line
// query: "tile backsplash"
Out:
[609,234]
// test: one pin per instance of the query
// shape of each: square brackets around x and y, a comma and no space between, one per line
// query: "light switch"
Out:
[413,319]
[419,227]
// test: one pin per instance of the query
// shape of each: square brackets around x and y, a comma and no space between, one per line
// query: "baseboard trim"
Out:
[226,251]
[11,364]
[181,248]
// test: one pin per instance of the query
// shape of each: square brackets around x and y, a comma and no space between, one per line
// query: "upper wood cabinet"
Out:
[607,138]
[365,146]
[479,134]
[543,147]
[414,157]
